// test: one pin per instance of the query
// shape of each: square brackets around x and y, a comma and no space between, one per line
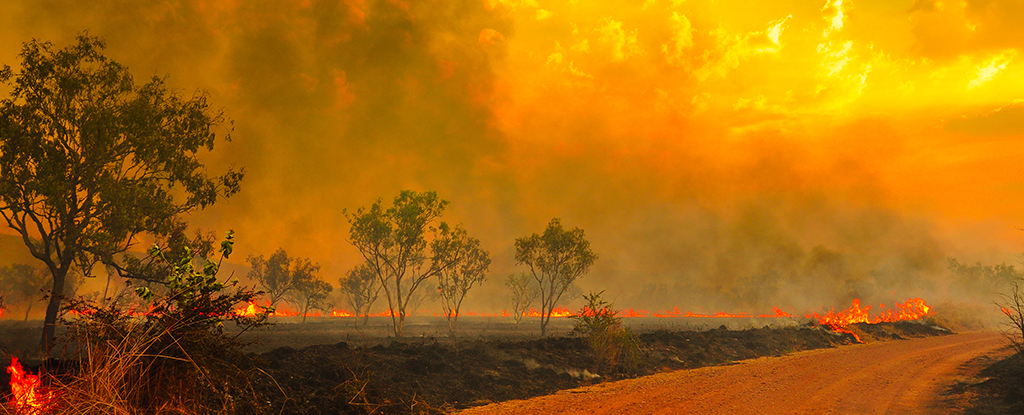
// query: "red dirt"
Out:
[885,377]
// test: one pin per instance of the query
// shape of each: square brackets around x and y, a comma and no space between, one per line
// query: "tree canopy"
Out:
[556,259]
[467,268]
[405,245]
[89,160]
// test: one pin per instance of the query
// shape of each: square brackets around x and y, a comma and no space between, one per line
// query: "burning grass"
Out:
[129,367]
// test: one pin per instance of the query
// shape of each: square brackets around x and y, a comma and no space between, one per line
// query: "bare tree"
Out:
[274,275]
[309,291]
[1013,307]
[468,268]
[522,293]
[556,259]
[360,288]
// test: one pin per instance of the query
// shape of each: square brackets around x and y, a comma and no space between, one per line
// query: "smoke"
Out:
[717,159]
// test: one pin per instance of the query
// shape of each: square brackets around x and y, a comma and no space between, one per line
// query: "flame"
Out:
[249,311]
[28,396]
[778,313]
[912,309]
[1007,311]
[340,313]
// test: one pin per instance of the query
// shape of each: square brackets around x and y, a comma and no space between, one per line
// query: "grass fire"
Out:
[399,206]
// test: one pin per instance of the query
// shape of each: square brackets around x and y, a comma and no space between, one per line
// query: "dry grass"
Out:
[128,365]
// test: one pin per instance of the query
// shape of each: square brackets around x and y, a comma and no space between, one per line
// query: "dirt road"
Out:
[894,377]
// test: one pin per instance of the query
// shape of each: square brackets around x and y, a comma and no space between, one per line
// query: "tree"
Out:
[361,289]
[556,259]
[89,160]
[521,294]
[394,243]
[1012,306]
[274,275]
[468,268]
[309,291]
[23,284]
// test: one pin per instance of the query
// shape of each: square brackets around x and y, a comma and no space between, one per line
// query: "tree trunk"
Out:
[50,322]
[366,318]
[110,273]
[29,309]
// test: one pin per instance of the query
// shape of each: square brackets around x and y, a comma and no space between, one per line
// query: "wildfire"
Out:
[912,309]
[28,396]
[1007,311]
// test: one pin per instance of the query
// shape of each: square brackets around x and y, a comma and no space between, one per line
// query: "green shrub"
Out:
[614,345]
[173,356]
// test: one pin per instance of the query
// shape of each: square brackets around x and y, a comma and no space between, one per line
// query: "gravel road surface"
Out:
[892,377]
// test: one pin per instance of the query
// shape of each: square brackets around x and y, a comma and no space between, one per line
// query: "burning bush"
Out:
[612,343]
[173,357]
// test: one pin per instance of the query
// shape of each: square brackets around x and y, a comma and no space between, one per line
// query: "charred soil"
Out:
[996,389]
[442,374]
[434,375]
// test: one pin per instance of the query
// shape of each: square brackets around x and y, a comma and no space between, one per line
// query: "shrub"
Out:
[173,357]
[1013,307]
[614,345]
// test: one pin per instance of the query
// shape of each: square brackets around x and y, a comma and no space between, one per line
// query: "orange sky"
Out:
[651,124]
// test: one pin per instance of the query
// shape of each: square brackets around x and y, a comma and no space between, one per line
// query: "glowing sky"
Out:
[658,126]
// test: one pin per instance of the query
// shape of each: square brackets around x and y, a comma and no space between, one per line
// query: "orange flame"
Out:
[912,309]
[1007,311]
[28,395]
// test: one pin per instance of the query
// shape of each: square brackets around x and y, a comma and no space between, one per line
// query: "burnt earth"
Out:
[997,389]
[439,375]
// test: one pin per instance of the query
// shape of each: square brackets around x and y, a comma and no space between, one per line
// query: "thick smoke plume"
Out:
[719,157]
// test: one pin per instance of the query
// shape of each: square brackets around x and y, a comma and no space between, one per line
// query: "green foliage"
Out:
[310,292]
[522,293]
[556,258]
[177,354]
[981,280]
[361,289]
[275,275]
[89,160]
[467,267]
[612,343]
[395,241]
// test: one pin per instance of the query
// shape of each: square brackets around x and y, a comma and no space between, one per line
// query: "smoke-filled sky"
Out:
[719,154]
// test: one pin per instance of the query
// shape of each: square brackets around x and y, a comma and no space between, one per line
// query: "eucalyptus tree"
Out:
[274,274]
[521,294]
[404,244]
[468,268]
[310,291]
[90,160]
[556,258]
[361,289]
[23,284]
